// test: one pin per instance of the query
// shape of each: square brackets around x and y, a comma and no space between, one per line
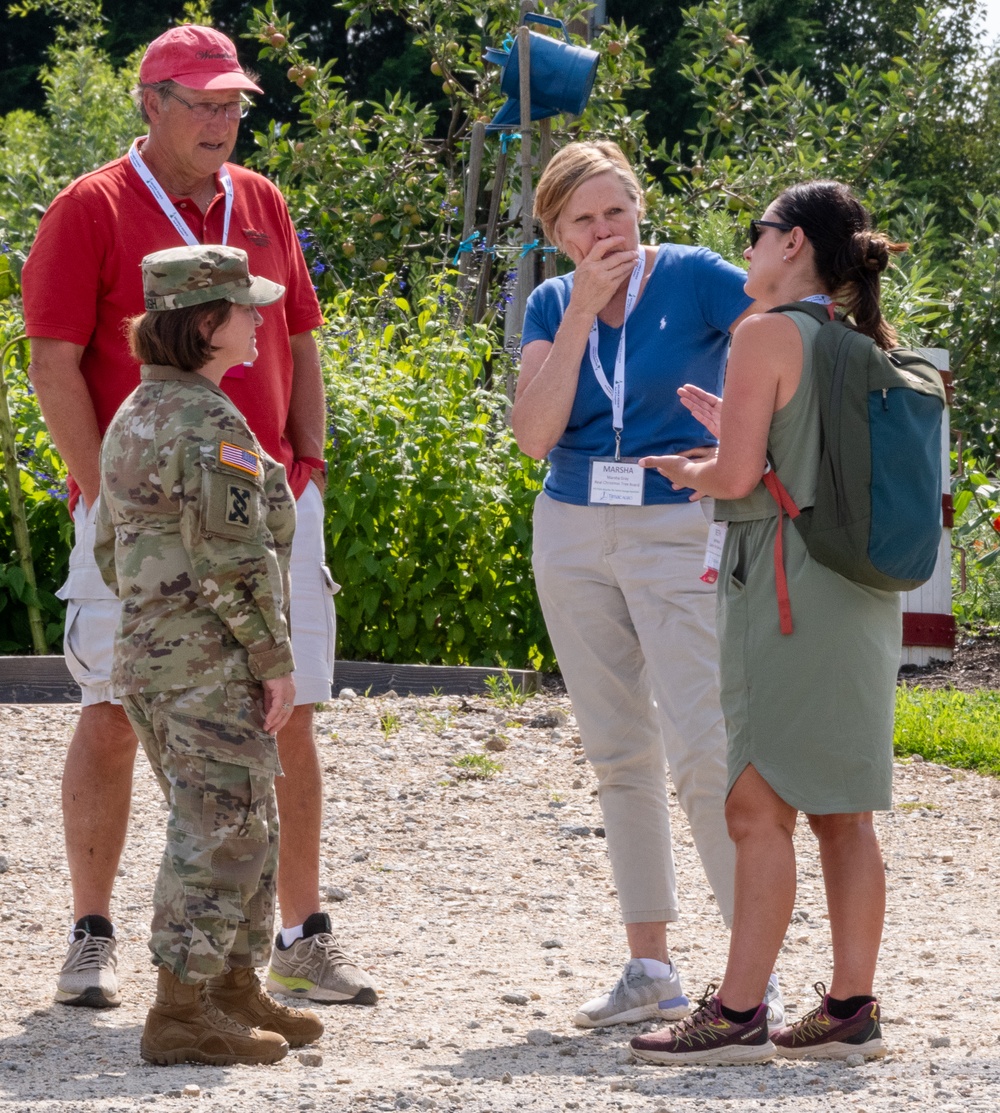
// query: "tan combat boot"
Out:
[239,994]
[185,1027]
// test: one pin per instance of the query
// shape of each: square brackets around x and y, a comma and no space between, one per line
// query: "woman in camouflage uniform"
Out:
[194,531]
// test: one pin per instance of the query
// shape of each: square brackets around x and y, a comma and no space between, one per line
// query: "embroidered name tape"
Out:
[237,457]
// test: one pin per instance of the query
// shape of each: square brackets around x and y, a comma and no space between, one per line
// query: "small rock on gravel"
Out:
[549,719]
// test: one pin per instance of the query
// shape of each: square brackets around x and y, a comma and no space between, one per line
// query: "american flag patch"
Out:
[237,457]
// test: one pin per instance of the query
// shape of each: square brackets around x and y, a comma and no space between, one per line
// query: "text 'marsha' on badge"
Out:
[237,457]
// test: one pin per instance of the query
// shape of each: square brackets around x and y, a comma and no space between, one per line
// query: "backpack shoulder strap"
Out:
[786,505]
[821,313]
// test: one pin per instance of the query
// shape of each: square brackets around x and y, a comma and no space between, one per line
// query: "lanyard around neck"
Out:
[616,392]
[168,207]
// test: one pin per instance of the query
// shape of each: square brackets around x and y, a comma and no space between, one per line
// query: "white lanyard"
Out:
[820,299]
[168,207]
[617,392]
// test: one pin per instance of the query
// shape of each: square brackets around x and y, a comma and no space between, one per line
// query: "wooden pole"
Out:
[492,220]
[477,148]
[514,319]
[544,155]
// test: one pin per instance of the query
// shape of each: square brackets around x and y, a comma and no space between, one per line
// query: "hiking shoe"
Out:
[775,1005]
[316,967]
[89,975]
[635,997]
[184,1026]
[818,1035]
[706,1036]
[239,994]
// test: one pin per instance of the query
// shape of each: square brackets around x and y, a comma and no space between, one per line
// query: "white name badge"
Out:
[616,482]
[713,552]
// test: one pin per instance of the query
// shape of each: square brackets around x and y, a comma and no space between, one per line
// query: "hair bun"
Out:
[872,250]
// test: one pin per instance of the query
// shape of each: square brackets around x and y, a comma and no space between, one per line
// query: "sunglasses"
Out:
[756,225]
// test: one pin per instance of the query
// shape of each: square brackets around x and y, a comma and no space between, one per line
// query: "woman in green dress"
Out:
[808,715]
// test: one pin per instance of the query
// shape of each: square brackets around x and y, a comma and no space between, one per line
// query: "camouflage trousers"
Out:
[214,896]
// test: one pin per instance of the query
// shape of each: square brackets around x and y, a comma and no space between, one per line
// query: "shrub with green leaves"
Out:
[43,486]
[428,500]
[976,544]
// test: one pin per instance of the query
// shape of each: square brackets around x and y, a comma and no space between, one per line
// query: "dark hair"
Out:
[849,256]
[178,337]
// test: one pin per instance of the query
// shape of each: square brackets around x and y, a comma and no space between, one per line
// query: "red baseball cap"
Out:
[196,57]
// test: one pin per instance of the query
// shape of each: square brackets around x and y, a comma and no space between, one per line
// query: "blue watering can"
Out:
[562,75]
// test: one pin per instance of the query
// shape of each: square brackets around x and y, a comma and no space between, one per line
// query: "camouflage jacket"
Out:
[194,530]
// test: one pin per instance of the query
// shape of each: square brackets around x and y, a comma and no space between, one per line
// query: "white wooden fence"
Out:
[928,623]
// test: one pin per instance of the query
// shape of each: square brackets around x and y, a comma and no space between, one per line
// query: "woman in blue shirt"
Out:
[618,554]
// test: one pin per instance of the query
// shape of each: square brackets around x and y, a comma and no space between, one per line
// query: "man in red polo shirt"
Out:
[173,187]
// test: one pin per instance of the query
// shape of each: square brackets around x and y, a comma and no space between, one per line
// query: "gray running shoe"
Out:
[316,967]
[636,997]
[89,975]
[775,1005]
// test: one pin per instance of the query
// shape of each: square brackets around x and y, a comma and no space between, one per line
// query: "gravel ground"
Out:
[485,911]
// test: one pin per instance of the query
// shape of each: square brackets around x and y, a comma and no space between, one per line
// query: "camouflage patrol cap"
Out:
[181,276]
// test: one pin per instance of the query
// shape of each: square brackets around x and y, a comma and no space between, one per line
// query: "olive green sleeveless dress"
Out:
[811,711]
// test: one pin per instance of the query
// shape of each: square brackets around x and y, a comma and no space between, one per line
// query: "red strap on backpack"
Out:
[786,505]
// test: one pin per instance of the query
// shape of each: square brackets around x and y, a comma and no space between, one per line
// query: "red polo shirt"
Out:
[82,281]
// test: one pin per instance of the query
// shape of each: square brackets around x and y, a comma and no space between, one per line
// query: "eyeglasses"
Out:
[756,225]
[204,111]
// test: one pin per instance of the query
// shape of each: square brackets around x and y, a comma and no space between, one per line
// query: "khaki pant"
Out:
[633,628]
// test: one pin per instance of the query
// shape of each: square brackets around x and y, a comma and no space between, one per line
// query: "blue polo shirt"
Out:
[678,333]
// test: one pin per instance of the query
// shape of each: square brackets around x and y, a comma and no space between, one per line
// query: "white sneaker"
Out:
[775,1005]
[635,997]
[89,976]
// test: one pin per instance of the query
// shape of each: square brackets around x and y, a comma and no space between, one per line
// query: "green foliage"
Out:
[880,131]
[388,723]
[976,574]
[435,722]
[504,692]
[428,500]
[379,185]
[42,478]
[969,275]
[89,120]
[960,729]
[476,767]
